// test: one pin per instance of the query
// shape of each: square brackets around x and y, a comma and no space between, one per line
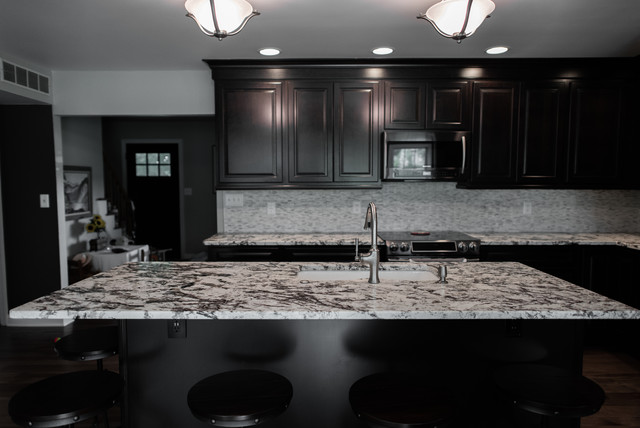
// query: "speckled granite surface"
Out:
[529,238]
[206,290]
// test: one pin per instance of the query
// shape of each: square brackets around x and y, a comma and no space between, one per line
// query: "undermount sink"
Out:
[355,275]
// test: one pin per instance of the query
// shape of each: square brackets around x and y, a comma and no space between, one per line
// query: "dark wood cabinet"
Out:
[595,133]
[317,124]
[448,105]
[310,133]
[542,141]
[356,133]
[404,105]
[250,132]
[495,122]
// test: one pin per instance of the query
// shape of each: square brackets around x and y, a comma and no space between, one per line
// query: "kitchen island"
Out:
[323,335]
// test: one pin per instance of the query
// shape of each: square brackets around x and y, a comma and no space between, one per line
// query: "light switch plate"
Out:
[44,200]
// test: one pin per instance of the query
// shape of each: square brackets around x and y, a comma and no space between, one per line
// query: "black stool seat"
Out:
[401,400]
[89,344]
[549,391]
[240,398]
[65,399]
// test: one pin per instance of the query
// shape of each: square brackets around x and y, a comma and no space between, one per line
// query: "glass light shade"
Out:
[448,16]
[220,18]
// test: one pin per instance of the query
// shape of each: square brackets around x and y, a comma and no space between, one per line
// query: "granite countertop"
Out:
[270,290]
[528,238]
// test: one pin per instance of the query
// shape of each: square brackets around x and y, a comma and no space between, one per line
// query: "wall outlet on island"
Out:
[526,208]
[355,207]
[271,208]
[177,329]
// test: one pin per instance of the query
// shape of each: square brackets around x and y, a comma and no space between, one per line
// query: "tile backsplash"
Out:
[434,206]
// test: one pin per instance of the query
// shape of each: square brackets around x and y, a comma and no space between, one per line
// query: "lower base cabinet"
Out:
[608,270]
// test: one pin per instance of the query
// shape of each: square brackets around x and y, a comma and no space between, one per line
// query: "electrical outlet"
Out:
[513,328]
[177,329]
[355,207]
[526,208]
[44,200]
[233,200]
[271,208]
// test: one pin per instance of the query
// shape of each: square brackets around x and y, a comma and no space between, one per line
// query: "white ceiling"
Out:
[156,34]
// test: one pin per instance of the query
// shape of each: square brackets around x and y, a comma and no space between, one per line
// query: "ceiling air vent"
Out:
[21,76]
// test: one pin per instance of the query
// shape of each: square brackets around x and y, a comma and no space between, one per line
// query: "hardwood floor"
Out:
[27,355]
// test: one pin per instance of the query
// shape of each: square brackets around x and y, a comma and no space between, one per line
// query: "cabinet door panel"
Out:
[310,132]
[543,133]
[494,132]
[404,105]
[250,132]
[356,134]
[594,139]
[448,105]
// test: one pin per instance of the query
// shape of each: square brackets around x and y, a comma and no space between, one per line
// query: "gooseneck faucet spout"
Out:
[372,258]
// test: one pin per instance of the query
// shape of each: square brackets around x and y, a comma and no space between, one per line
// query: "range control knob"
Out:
[404,246]
[393,246]
[473,247]
[462,247]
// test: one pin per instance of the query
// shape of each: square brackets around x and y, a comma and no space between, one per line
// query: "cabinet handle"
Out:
[464,155]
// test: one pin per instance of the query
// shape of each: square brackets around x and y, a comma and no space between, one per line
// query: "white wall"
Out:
[133,93]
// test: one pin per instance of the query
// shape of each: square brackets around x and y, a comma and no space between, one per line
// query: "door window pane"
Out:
[153,164]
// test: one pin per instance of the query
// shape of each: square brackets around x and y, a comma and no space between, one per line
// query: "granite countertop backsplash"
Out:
[270,290]
[629,240]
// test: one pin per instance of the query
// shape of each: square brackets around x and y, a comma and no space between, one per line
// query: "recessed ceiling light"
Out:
[269,51]
[382,51]
[497,50]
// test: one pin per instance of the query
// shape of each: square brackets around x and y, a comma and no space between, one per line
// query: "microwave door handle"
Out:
[464,154]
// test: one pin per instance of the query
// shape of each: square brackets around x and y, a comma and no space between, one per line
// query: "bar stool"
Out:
[88,345]
[66,399]
[240,398]
[401,400]
[551,392]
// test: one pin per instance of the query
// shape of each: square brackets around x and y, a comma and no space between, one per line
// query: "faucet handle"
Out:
[357,254]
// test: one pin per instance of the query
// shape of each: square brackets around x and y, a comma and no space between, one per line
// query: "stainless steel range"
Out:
[430,246]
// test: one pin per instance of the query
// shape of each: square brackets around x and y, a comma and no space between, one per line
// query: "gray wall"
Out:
[197,138]
[437,206]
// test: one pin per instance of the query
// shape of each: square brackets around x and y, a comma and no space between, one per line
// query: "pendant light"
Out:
[458,19]
[220,18]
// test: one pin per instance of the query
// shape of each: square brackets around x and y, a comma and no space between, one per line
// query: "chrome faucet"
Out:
[372,258]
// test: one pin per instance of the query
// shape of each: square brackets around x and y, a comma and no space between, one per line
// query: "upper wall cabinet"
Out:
[356,133]
[310,136]
[534,123]
[404,104]
[422,104]
[495,124]
[595,135]
[448,105]
[249,132]
[542,139]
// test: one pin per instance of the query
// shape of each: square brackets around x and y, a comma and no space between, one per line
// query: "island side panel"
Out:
[322,358]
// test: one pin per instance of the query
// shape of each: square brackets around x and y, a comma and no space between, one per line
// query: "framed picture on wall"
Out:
[77,192]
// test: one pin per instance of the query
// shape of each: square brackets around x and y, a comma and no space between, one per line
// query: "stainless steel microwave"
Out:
[424,155]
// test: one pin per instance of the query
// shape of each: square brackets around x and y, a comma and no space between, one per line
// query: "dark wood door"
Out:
[250,132]
[356,132]
[154,187]
[404,105]
[594,137]
[310,136]
[449,105]
[494,132]
[542,142]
